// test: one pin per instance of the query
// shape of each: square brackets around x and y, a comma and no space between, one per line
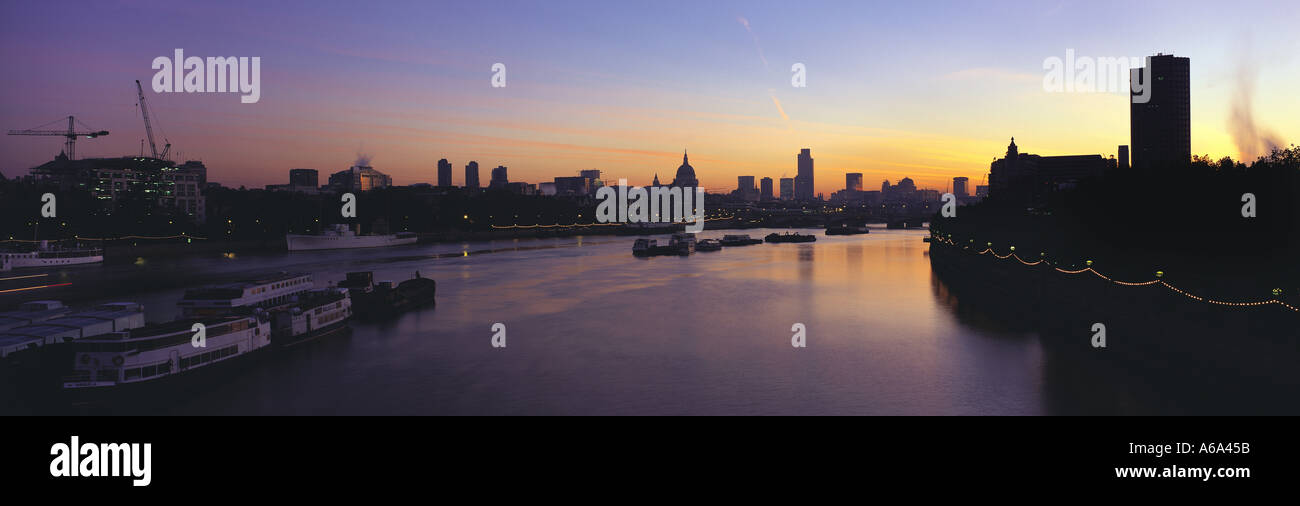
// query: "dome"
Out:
[685,174]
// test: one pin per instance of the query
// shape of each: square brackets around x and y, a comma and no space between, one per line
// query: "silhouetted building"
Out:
[853,181]
[471,175]
[359,178]
[572,186]
[959,187]
[685,174]
[304,178]
[1028,178]
[444,173]
[803,180]
[787,188]
[745,188]
[765,189]
[520,188]
[981,190]
[499,178]
[1123,157]
[1161,128]
[161,183]
[905,185]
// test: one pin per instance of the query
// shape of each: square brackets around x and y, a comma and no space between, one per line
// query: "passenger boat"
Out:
[708,245]
[739,240]
[47,255]
[342,237]
[163,354]
[315,314]
[645,247]
[371,300]
[240,296]
[789,237]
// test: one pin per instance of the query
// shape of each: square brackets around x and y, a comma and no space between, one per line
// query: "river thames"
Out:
[590,329]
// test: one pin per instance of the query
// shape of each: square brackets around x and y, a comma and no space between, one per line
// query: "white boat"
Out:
[50,256]
[342,237]
[156,352]
[316,313]
[244,295]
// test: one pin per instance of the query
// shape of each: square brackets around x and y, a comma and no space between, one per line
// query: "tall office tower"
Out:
[745,183]
[499,179]
[803,181]
[444,172]
[304,178]
[787,188]
[853,181]
[765,191]
[1161,128]
[1123,157]
[471,175]
[959,186]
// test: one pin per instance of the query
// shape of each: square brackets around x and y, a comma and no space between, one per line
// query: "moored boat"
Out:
[847,230]
[47,255]
[315,314]
[739,240]
[789,237]
[342,237]
[374,300]
[708,245]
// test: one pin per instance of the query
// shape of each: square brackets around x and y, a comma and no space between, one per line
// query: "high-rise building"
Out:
[853,181]
[471,175]
[765,189]
[444,173]
[306,178]
[359,178]
[787,188]
[1161,128]
[1123,157]
[499,179]
[803,181]
[959,186]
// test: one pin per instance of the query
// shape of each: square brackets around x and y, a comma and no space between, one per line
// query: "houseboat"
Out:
[789,237]
[374,300]
[241,296]
[162,354]
[730,240]
[315,314]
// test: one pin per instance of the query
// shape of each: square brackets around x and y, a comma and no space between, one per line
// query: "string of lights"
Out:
[580,225]
[1158,281]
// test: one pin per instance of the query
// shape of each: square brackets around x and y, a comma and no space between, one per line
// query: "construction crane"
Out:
[148,129]
[71,134]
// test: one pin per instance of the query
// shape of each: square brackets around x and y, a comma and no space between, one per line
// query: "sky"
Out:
[927,90]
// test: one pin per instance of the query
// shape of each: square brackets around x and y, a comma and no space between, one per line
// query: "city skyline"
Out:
[581,95]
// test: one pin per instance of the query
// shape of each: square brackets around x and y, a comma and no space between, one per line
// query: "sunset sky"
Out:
[894,89]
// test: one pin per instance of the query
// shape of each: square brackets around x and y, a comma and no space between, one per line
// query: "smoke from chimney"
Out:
[363,160]
[1252,140]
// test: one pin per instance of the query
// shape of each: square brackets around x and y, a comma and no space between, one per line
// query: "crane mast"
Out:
[148,128]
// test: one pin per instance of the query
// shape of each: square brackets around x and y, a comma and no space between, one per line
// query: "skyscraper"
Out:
[444,173]
[471,175]
[803,181]
[304,178]
[853,181]
[765,191]
[1123,157]
[787,188]
[1161,128]
[499,179]
[959,186]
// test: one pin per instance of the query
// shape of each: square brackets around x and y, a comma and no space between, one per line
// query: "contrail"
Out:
[745,22]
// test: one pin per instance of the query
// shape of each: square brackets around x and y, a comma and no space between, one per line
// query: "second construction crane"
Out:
[148,129]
